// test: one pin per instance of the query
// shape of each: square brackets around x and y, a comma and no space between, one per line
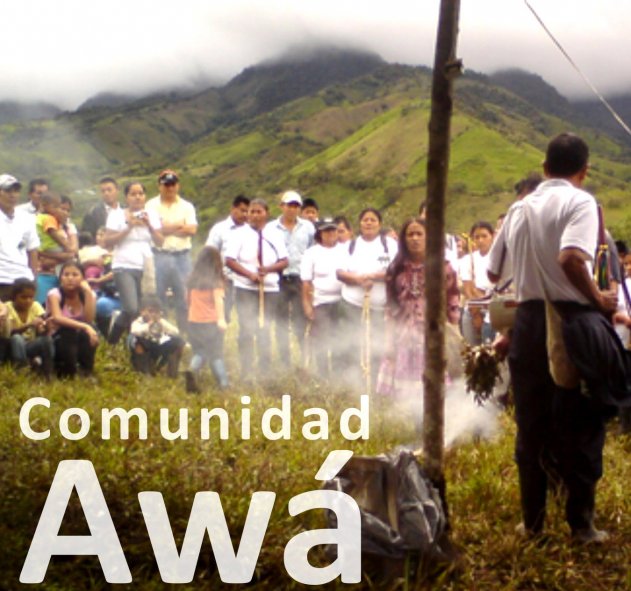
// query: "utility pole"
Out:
[446,68]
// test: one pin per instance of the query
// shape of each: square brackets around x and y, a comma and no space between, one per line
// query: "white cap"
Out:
[291,197]
[8,182]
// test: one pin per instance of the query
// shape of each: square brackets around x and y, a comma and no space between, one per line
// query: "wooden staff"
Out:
[307,346]
[261,305]
[261,283]
[365,348]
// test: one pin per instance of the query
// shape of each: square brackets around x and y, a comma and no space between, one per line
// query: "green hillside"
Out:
[360,138]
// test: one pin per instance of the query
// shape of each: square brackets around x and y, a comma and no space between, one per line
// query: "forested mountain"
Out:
[341,126]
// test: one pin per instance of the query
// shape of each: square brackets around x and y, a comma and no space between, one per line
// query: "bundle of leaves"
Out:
[482,370]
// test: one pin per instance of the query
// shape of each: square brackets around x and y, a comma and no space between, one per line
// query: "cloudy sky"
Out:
[65,51]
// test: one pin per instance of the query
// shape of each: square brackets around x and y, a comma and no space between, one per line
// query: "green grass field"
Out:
[481,479]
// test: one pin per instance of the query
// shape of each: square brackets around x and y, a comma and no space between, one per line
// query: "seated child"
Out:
[28,330]
[154,342]
[5,351]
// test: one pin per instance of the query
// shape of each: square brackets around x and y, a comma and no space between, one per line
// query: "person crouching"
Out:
[155,342]
[30,341]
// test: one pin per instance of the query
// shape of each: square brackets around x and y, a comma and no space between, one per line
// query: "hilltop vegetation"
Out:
[343,127]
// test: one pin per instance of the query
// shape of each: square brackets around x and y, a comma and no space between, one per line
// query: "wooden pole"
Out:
[446,67]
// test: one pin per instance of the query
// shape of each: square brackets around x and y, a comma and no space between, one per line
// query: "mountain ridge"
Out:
[360,137]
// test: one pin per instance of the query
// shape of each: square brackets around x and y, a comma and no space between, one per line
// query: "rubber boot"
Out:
[218,367]
[116,332]
[191,383]
[173,363]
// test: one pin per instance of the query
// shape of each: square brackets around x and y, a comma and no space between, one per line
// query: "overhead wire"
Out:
[602,99]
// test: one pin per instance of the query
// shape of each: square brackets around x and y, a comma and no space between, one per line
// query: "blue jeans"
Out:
[128,282]
[128,285]
[106,305]
[172,271]
[23,350]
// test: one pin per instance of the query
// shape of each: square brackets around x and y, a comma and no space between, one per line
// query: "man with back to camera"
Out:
[219,236]
[298,234]
[36,188]
[173,258]
[550,239]
[97,216]
[19,241]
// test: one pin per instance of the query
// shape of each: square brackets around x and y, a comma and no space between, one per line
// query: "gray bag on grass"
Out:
[401,511]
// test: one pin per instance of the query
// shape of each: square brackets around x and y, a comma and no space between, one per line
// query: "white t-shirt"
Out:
[319,265]
[367,257]
[536,229]
[621,329]
[243,247]
[219,237]
[18,237]
[480,265]
[133,249]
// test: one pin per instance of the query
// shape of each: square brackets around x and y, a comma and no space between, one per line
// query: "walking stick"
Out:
[306,362]
[261,283]
[365,348]
[261,305]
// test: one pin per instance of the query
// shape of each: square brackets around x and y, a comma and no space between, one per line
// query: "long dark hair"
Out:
[396,266]
[207,272]
[62,293]
[372,210]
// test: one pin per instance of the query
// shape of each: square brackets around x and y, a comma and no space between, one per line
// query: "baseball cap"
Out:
[291,197]
[8,182]
[168,177]
[326,224]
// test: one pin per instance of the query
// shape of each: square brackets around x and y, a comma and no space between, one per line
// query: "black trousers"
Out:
[558,429]
[247,302]
[289,313]
[73,351]
[325,338]
[148,356]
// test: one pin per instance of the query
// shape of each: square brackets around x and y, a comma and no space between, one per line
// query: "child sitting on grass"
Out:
[5,331]
[154,342]
[28,329]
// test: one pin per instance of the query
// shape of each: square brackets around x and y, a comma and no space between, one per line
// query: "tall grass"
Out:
[482,486]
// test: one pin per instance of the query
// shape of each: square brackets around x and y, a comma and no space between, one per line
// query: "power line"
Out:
[602,99]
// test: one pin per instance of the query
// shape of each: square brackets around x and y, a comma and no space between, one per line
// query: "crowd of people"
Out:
[351,298]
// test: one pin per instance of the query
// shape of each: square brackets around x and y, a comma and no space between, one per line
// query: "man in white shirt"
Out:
[256,254]
[219,237]
[36,188]
[550,239]
[298,234]
[18,238]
